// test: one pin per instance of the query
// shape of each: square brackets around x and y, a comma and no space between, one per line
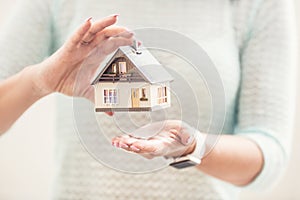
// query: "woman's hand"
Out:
[172,138]
[70,69]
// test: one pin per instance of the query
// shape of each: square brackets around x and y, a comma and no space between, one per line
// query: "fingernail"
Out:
[134,148]
[124,145]
[116,15]
[113,143]
[89,19]
[139,43]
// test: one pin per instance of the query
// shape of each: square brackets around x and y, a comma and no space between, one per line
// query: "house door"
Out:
[135,97]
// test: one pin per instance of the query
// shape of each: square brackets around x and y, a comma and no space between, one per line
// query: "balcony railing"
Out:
[127,77]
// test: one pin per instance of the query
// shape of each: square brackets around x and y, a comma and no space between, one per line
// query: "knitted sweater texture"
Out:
[251,45]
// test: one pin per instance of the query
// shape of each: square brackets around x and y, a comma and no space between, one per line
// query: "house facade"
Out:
[132,81]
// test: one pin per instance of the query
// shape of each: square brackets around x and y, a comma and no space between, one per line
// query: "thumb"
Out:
[186,135]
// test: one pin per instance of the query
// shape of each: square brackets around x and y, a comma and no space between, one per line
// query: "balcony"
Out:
[125,77]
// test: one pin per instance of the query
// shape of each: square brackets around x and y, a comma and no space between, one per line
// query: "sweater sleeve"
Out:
[266,101]
[25,38]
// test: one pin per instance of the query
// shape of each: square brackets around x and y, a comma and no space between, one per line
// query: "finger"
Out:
[126,148]
[99,26]
[124,139]
[113,43]
[174,134]
[76,38]
[121,142]
[182,136]
[139,43]
[134,145]
[110,113]
[142,146]
[115,142]
[116,32]
[125,34]
[148,156]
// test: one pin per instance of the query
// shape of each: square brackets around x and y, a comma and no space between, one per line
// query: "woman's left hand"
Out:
[174,138]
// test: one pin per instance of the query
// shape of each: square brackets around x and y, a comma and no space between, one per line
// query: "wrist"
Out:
[190,149]
[193,155]
[34,73]
[198,146]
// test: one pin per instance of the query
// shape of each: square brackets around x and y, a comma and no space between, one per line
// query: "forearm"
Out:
[18,93]
[233,159]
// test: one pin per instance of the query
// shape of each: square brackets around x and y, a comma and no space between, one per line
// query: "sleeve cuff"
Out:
[275,160]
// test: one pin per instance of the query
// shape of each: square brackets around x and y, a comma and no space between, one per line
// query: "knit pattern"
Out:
[251,44]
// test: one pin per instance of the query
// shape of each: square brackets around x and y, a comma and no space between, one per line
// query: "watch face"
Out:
[183,164]
[185,161]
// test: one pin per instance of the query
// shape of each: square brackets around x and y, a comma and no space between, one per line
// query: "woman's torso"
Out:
[79,176]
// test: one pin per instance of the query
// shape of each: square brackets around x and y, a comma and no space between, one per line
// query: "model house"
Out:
[132,80]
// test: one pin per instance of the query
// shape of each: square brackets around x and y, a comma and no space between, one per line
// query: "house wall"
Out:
[124,94]
[154,94]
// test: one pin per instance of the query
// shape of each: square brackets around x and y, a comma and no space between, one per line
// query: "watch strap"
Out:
[193,158]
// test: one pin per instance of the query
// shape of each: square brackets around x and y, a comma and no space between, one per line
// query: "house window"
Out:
[110,96]
[162,95]
[144,97]
[122,67]
[114,68]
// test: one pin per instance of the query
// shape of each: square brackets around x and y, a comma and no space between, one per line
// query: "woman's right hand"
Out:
[74,64]
[68,71]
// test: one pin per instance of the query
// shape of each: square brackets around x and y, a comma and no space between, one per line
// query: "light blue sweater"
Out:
[251,44]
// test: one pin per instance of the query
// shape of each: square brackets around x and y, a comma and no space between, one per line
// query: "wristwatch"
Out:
[194,158]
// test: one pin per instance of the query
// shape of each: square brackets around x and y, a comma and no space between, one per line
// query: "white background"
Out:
[26,151]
